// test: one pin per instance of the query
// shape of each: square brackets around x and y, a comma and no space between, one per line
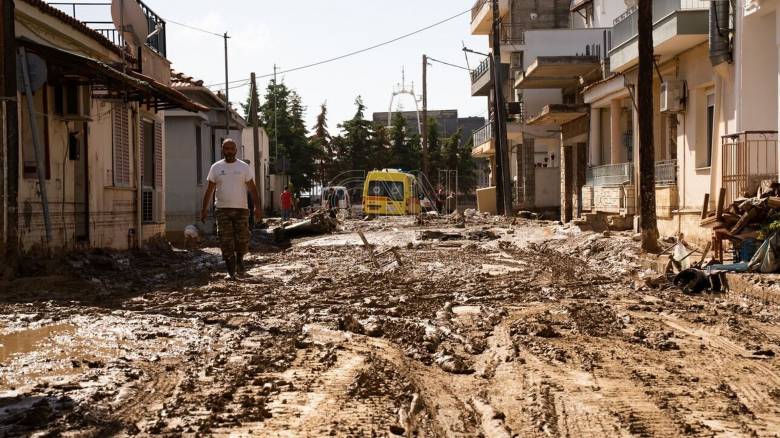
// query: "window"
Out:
[389,189]
[41,109]
[710,128]
[151,158]
[198,155]
[71,101]
[121,145]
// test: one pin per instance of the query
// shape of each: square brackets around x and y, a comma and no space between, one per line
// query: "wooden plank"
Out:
[706,207]
[744,221]
[721,202]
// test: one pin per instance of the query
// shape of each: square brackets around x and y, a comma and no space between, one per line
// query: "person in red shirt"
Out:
[287,204]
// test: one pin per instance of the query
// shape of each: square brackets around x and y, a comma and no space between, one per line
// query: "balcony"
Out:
[482,15]
[678,25]
[512,34]
[484,140]
[97,15]
[482,78]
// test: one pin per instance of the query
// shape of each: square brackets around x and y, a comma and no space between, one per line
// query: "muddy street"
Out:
[490,328]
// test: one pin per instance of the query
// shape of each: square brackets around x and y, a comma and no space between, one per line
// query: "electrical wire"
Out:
[356,52]
[447,63]
[194,28]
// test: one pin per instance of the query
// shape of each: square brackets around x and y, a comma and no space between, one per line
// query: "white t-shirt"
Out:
[231,179]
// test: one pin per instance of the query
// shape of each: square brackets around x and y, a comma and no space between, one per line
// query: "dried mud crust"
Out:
[496,338]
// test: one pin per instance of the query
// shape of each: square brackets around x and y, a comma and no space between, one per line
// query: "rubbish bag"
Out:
[767,258]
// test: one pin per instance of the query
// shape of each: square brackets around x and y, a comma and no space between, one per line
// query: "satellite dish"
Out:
[131,20]
[36,67]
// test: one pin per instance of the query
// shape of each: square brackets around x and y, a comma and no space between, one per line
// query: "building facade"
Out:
[91,146]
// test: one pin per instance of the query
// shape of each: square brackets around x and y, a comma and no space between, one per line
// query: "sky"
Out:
[295,33]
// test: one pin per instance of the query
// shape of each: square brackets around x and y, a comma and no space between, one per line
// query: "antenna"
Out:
[400,90]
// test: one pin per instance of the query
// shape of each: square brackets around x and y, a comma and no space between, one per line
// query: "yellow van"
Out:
[390,192]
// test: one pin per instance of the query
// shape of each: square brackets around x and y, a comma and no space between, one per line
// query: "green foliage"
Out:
[245,106]
[282,117]
[358,138]
[771,227]
[321,144]
[404,149]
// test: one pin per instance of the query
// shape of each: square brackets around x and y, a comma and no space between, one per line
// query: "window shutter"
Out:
[121,146]
[158,156]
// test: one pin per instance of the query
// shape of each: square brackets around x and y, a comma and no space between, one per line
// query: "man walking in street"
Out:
[231,178]
[287,204]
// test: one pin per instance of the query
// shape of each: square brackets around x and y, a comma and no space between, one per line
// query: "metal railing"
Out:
[512,33]
[481,70]
[483,134]
[156,25]
[477,8]
[610,175]
[625,26]
[748,158]
[666,172]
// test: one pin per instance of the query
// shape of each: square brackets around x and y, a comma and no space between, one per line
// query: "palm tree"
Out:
[646,147]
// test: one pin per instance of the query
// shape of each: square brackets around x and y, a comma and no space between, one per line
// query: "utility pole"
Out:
[646,148]
[9,244]
[503,177]
[227,90]
[276,118]
[425,160]
[253,119]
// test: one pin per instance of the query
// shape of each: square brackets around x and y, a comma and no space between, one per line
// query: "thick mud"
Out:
[496,329]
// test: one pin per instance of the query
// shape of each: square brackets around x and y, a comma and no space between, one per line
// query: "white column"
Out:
[617,150]
[594,146]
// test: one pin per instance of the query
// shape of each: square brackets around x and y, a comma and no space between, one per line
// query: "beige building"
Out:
[715,115]
[94,173]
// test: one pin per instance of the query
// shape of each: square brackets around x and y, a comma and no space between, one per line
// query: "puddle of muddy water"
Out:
[27,341]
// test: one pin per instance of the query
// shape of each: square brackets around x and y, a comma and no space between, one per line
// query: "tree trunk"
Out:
[646,148]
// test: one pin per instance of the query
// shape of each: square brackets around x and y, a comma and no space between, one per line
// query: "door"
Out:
[77,152]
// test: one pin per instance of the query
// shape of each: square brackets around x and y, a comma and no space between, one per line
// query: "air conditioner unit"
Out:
[673,96]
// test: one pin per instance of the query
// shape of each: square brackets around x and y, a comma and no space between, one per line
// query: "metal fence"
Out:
[748,158]
[481,70]
[610,175]
[483,134]
[625,26]
[512,33]
[155,24]
[666,172]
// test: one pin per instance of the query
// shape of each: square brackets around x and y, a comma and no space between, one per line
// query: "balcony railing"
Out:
[512,34]
[483,134]
[482,69]
[87,12]
[748,158]
[666,172]
[625,26]
[610,175]
[477,8]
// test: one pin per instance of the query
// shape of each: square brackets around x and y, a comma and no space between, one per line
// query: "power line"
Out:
[340,57]
[447,63]
[375,46]
[194,28]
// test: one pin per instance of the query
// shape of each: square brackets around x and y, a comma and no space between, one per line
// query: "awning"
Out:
[67,66]
[559,72]
[558,114]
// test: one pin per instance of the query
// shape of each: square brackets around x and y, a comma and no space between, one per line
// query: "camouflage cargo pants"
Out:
[233,230]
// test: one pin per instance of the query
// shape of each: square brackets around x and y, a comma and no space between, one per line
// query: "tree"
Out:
[402,153]
[646,148]
[358,134]
[434,150]
[282,118]
[247,105]
[321,144]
